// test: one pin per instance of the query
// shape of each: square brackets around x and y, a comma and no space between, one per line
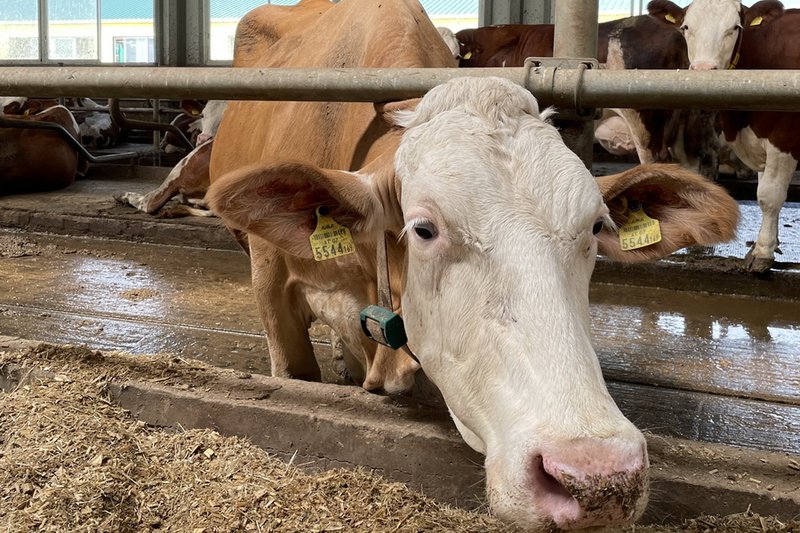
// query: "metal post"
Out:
[576,36]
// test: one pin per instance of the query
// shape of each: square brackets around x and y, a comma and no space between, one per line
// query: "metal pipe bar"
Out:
[124,122]
[576,36]
[773,90]
[7,122]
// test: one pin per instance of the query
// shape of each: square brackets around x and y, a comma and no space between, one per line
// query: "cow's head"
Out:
[713,28]
[211,119]
[501,222]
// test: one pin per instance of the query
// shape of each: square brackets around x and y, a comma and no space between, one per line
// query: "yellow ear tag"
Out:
[670,18]
[26,113]
[757,21]
[639,231]
[330,239]
[467,55]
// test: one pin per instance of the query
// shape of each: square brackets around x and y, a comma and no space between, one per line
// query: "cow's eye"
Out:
[425,230]
[598,227]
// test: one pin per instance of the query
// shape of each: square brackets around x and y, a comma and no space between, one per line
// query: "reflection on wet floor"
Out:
[715,343]
[749,224]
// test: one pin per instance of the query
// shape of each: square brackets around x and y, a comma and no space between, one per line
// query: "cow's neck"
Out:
[737,48]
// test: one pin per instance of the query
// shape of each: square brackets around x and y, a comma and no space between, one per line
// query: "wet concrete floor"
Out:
[722,368]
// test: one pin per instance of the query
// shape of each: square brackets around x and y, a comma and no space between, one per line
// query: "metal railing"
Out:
[775,90]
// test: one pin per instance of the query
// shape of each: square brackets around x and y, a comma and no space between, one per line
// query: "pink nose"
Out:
[591,482]
[203,137]
[702,65]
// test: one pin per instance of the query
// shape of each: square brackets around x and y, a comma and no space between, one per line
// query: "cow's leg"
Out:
[773,185]
[639,134]
[285,318]
[151,202]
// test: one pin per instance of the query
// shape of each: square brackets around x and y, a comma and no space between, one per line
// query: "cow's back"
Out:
[33,160]
[320,34]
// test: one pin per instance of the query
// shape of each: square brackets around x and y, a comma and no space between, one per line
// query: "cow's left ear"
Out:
[666,11]
[762,12]
[280,203]
[689,208]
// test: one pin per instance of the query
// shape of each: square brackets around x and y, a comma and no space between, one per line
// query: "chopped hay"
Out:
[70,460]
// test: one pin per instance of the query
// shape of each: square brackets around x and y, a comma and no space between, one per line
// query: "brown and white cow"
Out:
[491,226]
[189,177]
[33,160]
[631,43]
[724,34]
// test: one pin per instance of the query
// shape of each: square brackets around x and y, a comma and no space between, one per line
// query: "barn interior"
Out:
[702,355]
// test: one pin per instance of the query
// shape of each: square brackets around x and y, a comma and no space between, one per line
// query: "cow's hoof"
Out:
[757,264]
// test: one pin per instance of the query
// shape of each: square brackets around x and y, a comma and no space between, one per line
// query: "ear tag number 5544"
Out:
[639,231]
[330,239]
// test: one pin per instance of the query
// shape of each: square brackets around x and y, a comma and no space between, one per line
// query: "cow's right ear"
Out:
[666,11]
[762,12]
[279,203]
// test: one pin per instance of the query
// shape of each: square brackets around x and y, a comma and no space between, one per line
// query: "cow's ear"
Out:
[193,108]
[689,208]
[762,12]
[666,11]
[279,203]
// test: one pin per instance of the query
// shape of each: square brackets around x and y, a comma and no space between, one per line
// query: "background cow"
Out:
[489,222]
[724,34]
[94,120]
[33,160]
[632,43]
[189,177]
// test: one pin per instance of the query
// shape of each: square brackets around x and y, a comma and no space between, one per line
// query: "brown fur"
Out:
[690,209]
[38,160]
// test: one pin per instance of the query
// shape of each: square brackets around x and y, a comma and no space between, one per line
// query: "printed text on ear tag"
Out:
[330,239]
[639,231]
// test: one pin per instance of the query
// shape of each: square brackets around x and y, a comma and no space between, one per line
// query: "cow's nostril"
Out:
[561,505]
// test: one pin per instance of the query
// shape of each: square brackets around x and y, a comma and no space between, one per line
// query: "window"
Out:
[134,50]
[19,30]
[86,31]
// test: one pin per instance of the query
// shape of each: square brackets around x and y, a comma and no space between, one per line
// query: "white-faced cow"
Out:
[724,34]
[189,177]
[33,160]
[491,228]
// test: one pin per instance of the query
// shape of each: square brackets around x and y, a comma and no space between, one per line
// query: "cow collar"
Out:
[738,47]
[379,322]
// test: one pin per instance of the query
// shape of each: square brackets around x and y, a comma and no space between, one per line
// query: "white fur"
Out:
[710,30]
[211,119]
[497,305]
[450,40]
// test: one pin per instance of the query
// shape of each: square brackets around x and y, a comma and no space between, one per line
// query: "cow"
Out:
[22,105]
[724,34]
[198,122]
[640,42]
[96,127]
[33,160]
[490,226]
[189,177]
[450,40]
